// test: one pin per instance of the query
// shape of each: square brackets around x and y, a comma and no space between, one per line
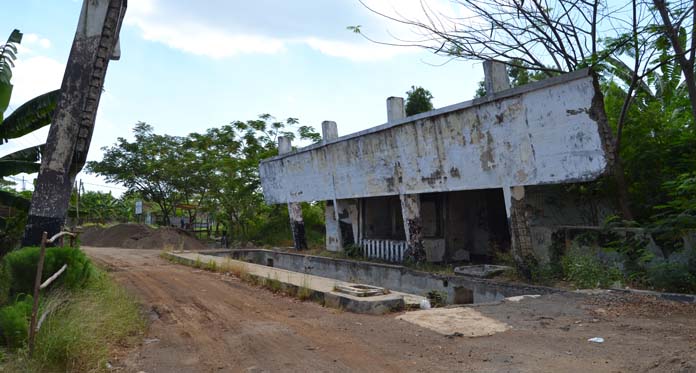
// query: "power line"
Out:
[105,186]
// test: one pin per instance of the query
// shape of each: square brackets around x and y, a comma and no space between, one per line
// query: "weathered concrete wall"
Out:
[392,277]
[552,206]
[545,132]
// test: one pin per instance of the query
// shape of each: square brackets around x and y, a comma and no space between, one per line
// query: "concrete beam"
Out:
[548,132]
[294,209]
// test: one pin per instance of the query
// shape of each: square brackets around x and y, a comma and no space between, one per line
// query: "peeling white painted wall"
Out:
[538,134]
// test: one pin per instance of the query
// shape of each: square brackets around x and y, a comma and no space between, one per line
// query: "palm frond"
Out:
[13,200]
[31,154]
[32,115]
[9,168]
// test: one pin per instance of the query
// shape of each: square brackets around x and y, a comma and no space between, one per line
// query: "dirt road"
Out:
[205,322]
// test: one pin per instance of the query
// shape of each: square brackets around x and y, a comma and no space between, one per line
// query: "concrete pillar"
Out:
[72,124]
[410,203]
[333,229]
[413,227]
[496,80]
[340,215]
[294,208]
[329,130]
[395,109]
[496,77]
[284,145]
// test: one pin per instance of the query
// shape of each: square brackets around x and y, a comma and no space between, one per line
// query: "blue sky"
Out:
[190,65]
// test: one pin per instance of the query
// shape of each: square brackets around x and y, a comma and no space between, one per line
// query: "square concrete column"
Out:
[413,226]
[329,131]
[495,77]
[395,109]
[340,215]
[294,209]
[496,80]
[333,229]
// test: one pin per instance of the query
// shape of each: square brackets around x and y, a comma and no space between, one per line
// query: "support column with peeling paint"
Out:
[329,131]
[410,203]
[413,226]
[294,209]
[341,216]
[70,134]
[496,80]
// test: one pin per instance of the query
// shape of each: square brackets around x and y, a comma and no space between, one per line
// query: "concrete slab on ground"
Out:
[320,287]
[463,321]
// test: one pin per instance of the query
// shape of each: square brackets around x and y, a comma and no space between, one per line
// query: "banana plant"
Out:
[29,117]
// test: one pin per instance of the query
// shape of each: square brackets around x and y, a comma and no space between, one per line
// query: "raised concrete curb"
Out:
[675,297]
[320,289]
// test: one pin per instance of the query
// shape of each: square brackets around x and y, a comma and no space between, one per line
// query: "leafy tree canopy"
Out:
[418,100]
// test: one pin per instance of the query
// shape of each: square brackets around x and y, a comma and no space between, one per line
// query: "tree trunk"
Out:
[73,121]
[686,64]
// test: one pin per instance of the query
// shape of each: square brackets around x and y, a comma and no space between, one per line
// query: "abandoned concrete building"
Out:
[462,182]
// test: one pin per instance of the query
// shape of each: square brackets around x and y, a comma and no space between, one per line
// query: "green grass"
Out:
[79,335]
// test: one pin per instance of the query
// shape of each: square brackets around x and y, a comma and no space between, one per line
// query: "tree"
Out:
[150,165]
[418,100]
[548,38]
[679,27]
[215,171]
[100,207]
[237,149]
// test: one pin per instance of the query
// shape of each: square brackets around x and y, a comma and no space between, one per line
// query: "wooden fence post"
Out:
[37,284]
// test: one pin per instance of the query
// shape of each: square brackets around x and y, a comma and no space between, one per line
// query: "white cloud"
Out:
[220,29]
[360,52]
[34,39]
[206,41]
[33,76]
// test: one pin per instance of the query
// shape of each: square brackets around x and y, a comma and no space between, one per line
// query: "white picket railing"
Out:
[388,250]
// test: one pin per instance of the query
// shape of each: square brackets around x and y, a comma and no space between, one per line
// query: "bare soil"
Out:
[139,236]
[207,322]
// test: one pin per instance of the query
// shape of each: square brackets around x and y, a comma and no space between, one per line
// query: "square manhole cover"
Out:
[361,290]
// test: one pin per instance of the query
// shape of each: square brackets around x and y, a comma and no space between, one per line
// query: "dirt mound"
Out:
[138,236]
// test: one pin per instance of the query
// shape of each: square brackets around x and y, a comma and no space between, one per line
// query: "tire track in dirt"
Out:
[205,322]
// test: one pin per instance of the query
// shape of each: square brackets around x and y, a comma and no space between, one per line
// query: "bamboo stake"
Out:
[55,276]
[37,284]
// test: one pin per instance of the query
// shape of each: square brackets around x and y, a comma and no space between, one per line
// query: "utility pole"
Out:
[77,202]
[95,43]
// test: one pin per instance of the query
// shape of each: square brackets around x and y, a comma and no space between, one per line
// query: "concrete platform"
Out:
[320,288]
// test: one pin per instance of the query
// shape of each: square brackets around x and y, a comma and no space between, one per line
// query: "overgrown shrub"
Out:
[18,270]
[585,270]
[353,251]
[437,298]
[14,321]
[79,335]
[673,277]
